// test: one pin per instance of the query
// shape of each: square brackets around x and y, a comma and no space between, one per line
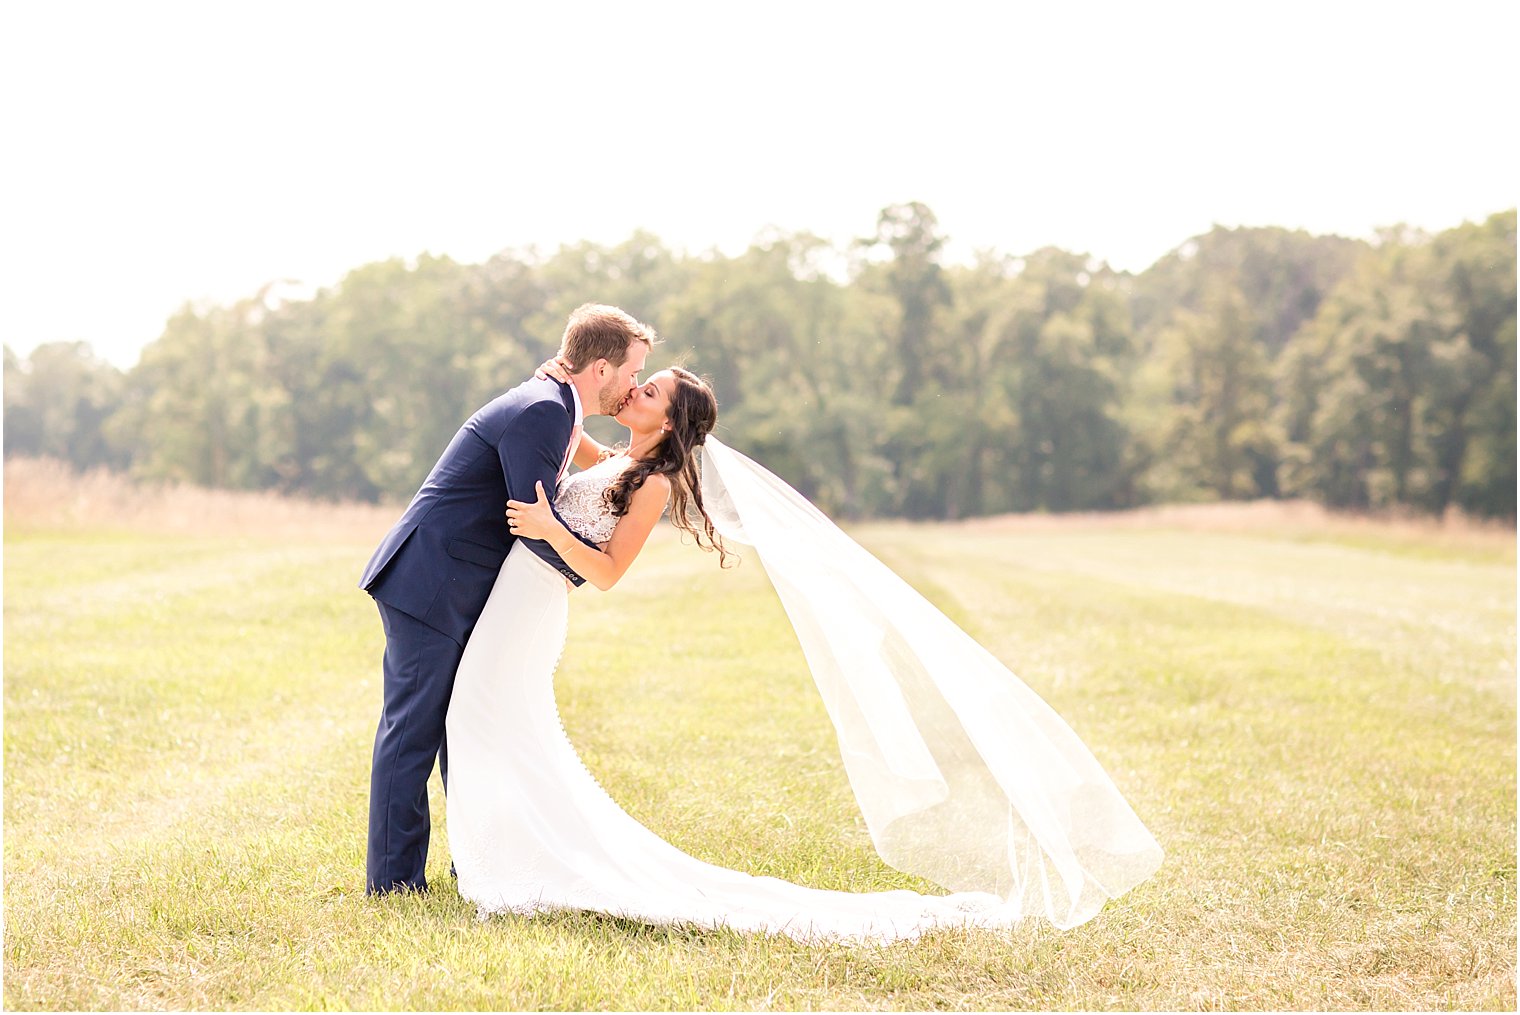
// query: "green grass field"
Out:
[1319,727]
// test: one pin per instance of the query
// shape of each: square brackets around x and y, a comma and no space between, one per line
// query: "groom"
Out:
[432,573]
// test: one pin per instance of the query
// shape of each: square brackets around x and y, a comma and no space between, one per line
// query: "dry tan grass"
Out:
[48,494]
[42,494]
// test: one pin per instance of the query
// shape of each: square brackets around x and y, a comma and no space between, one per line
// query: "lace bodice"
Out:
[580,503]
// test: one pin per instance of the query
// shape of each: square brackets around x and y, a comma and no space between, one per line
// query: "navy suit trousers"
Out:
[419,679]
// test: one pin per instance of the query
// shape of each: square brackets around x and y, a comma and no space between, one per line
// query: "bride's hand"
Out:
[532,521]
[555,368]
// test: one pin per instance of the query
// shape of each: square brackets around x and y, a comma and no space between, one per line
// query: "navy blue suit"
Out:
[430,577]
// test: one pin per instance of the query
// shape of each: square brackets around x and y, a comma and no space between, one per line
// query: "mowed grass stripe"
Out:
[54,579]
[1457,614]
[139,709]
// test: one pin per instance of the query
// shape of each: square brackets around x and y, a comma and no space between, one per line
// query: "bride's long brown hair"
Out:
[692,414]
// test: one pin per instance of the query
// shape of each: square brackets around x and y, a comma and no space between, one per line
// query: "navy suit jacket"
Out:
[440,560]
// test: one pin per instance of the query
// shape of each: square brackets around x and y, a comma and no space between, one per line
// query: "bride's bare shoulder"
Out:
[656,487]
[651,496]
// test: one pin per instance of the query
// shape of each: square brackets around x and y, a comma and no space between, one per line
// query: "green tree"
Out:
[1473,408]
[1207,423]
[924,375]
[196,398]
[1406,357]
[1051,351]
[57,401]
[915,279]
[777,336]
[1281,275]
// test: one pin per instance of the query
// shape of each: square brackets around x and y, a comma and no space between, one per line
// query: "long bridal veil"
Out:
[963,774]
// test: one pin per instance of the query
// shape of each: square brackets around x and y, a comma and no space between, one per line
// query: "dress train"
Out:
[530,830]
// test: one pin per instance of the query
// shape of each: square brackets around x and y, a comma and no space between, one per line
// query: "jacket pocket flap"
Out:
[463,549]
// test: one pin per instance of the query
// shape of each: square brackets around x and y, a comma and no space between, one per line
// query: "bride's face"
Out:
[649,407]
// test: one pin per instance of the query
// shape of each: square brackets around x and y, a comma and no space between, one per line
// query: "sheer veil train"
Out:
[963,774]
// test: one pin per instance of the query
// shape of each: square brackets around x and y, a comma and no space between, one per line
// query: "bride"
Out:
[963,774]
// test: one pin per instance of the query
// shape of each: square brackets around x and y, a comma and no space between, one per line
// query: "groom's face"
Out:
[621,380]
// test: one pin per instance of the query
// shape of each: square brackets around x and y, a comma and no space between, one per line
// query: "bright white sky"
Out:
[158,153]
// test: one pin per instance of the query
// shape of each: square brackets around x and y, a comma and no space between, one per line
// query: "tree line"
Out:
[876,378]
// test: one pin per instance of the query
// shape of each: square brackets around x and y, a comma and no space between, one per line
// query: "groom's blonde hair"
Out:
[596,331]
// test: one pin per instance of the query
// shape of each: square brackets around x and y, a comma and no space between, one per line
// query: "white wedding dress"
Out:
[1007,809]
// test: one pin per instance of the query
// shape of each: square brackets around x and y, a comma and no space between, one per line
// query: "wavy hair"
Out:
[692,415]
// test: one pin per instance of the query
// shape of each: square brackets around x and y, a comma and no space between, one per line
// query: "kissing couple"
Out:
[962,773]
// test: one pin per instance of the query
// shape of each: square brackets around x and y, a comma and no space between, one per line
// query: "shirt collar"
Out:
[580,415]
